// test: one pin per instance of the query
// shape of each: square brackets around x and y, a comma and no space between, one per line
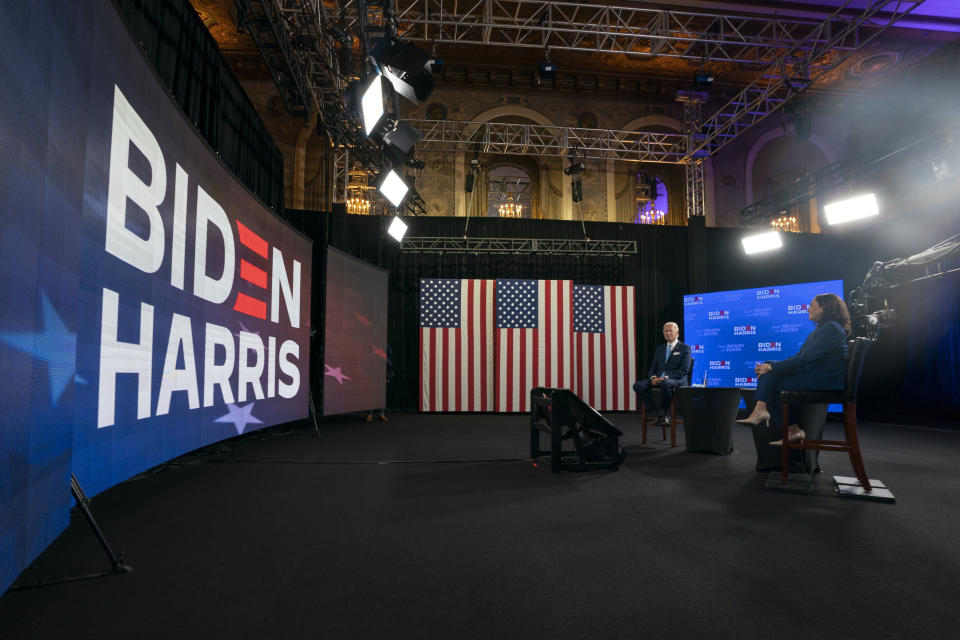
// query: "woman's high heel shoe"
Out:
[763,418]
[794,434]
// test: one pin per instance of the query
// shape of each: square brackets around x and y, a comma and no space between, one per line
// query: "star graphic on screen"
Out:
[363,320]
[240,417]
[56,346]
[335,373]
[377,351]
[244,329]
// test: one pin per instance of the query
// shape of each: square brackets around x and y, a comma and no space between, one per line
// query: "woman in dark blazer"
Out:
[821,362]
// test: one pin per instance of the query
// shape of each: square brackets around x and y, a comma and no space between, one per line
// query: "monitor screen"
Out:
[355,335]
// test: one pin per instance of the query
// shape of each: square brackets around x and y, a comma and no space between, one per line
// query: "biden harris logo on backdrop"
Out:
[228,367]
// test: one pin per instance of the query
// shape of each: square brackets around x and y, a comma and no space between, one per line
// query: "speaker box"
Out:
[468,185]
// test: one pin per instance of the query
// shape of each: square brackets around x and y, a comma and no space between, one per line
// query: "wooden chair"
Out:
[848,397]
[655,396]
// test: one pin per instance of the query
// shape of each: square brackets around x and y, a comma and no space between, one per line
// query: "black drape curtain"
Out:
[659,271]
[187,61]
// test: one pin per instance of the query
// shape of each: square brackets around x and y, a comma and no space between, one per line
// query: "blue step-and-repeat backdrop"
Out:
[729,332]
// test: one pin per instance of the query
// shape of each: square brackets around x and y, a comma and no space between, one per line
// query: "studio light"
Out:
[393,188]
[372,104]
[407,69]
[397,228]
[851,209]
[398,142]
[766,241]
[547,69]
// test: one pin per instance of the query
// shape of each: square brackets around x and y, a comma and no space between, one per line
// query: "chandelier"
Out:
[358,205]
[510,209]
[651,215]
[786,222]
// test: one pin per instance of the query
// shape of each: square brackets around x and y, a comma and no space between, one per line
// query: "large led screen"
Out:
[151,305]
[729,332]
[355,335]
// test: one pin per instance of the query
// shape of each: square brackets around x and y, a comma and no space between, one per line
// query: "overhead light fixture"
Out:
[397,228]
[407,69]
[547,69]
[761,242]
[372,104]
[398,142]
[851,209]
[393,188]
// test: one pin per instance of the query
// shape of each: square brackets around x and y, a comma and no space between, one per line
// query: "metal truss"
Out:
[795,70]
[264,20]
[597,28]
[341,174]
[434,244]
[549,141]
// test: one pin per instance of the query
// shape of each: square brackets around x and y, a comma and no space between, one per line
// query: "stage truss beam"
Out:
[595,28]
[549,141]
[793,71]
[436,244]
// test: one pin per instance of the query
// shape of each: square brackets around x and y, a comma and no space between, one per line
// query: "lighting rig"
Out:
[576,185]
[307,49]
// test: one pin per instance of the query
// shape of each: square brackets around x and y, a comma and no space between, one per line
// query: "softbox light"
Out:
[854,208]
[393,188]
[760,242]
[372,104]
[407,69]
[397,229]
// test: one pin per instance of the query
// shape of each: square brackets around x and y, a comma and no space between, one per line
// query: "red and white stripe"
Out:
[606,362]
[541,357]
[456,372]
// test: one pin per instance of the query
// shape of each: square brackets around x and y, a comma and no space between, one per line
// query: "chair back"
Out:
[857,355]
[693,361]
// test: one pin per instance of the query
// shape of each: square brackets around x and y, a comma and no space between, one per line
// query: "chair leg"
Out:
[673,423]
[643,423]
[785,445]
[850,430]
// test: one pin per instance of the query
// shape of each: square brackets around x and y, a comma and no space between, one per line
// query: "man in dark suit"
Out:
[669,369]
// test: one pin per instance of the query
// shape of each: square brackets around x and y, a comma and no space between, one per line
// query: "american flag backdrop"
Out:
[456,345]
[605,352]
[534,339]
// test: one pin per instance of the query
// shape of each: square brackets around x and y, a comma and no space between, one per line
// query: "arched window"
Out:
[653,205]
[508,192]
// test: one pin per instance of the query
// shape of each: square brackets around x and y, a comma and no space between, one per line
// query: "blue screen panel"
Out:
[729,332]
[150,304]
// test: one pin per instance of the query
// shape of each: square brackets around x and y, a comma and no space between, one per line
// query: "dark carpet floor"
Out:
[436,527]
